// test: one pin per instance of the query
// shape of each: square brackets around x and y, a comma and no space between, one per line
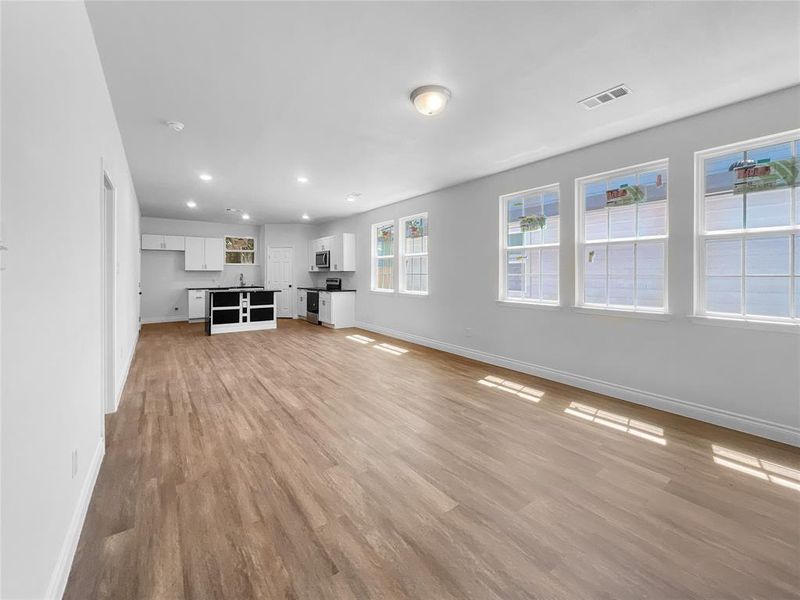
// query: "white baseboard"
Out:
[760,427]
[58,581]
[177,319]
[121,383]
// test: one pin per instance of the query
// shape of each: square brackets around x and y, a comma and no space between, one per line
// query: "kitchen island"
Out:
[233,310]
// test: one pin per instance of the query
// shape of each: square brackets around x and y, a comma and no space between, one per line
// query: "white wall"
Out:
[745,379]
[296,237]
[58,125]
[164,278]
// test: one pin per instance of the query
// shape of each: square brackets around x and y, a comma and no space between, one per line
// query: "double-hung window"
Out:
[747,259]
[414,254]
[383,257]
[240,250]
[529,228]
[622,233]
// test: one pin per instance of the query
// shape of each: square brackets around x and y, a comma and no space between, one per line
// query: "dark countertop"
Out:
[322,289]
[233,288]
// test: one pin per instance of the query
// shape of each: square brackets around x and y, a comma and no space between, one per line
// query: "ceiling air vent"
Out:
[605,97]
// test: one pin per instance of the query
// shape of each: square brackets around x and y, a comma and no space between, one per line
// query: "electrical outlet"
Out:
[74,462]
[468,331]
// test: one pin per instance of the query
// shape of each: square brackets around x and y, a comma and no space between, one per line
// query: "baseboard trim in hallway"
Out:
[760,427]
[58,581]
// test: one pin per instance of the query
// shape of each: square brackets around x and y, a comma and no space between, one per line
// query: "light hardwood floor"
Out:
[302,463]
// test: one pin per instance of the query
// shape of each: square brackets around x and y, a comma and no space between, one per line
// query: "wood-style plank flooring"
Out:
[302,463]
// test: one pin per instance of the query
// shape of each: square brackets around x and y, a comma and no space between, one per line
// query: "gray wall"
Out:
[58,128]
[743,378]
[164,280]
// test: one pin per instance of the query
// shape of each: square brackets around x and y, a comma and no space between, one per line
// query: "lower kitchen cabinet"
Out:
[197,304]
[337,309]
[301,304]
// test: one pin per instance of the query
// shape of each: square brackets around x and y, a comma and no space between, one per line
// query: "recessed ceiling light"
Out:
[430,100]
[191,203]
[245,216]
[305,217]
[206,177]
[176,126]
[302,179]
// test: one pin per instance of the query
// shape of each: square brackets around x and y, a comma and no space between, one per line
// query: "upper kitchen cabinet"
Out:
[343,252]
[152,241]
[204,254]
[341,249]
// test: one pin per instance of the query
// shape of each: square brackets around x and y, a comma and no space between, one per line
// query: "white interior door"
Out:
[280,270]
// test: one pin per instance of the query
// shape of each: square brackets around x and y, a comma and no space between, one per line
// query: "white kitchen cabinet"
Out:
[174,242]
[343,252]
[342,248]
[301,304]
[197,304]
[204,254]
[337,309]
[215,254]
[152,241]
[325,313]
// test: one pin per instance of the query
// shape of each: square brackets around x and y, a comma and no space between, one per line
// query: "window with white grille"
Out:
[383,256]
[530,231]
[747,213]
[414,254]
[622,235]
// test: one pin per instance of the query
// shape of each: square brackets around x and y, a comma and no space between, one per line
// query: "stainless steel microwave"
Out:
[323,259]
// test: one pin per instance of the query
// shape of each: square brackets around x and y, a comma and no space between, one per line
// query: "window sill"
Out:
[745,323]
[414,294]
[611,312]
[524,304]
[383,292]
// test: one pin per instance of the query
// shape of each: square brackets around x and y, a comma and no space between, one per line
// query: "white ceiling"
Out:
[269,91]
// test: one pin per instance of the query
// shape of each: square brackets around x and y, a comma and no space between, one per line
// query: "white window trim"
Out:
[374,257]
[580,242]
[502,292]
[254,252]
[401,263]
[699,314]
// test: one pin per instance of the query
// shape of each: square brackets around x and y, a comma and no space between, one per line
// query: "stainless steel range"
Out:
[332,284]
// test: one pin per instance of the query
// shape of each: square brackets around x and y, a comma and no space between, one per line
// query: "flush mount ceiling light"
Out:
[302,179]
[206,177]
[176,126]
[353,196]
[246,217]
[305,217]
[191,203]
[430,100]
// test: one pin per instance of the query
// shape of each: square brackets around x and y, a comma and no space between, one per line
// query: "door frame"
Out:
[293,299]
[108,292]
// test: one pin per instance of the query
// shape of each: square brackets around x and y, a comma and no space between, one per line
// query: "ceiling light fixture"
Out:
[234,210]
[246,217]
[305,217]
[302,179]
[191,203]
[176,126]
[353,196]
[430,100]
[206,177]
